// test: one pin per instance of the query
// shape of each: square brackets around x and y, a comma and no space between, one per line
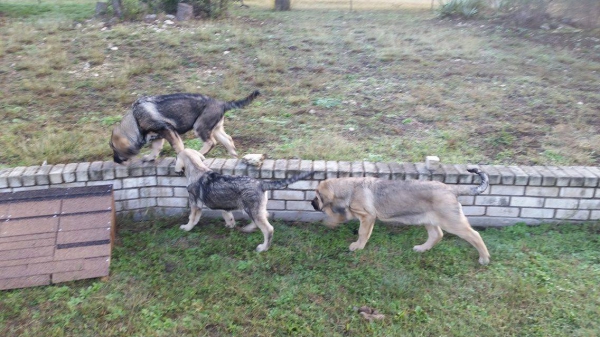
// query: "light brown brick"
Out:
[85,235]
[30,237]
[23,282]
[19,254]
[55,267]
[82,252]
[28,244]
[5,263]
[78,205]
[4,211]
[85,221]
[13,271]
[28,226]
[79,275]
[34,208]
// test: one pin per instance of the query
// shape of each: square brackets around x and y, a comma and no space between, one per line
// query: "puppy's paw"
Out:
[186,228]
[262,248]
[249,228]
[355,246]
[420,248]
[484,261]
[148,158]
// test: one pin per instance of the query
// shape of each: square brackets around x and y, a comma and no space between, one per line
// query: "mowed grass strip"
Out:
[393,85]
[542,281]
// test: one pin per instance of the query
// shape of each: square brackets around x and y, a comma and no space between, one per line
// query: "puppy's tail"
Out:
[242,102]
[485,182]
[277,184]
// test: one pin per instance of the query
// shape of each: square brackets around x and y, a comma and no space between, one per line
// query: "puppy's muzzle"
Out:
[118,159]
[315,204]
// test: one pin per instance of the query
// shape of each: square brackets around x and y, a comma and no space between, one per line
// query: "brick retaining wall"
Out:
[529,194]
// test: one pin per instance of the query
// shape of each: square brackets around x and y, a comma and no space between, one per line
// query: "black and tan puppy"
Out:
[429,203]
[156,118]
[228,193]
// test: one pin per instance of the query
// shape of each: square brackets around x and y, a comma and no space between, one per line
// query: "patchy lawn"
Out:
[542,281]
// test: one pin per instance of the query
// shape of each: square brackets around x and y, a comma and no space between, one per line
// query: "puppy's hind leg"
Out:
[207,146]
[260,220]
[173,138]
[267,230]
[195,214]
[249,228]
[435,234]
[225,139]
[463,230]
[206,135]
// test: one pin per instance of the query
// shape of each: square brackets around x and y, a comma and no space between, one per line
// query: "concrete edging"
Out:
[527,194]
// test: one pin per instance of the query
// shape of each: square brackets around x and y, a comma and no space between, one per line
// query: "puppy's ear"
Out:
[119,142]
[326,191]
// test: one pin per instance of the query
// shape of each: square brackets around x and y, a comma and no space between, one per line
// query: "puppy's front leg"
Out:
[195,214]
[367,223]
[229,219]
[157,145]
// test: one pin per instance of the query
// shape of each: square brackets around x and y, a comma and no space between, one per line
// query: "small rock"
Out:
[150,18]
[254,159]
[169,22]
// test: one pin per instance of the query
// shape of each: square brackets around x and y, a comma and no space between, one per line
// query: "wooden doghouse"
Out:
[55,235]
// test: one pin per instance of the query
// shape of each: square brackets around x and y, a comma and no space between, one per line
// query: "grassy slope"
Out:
[165,282]
[380,85]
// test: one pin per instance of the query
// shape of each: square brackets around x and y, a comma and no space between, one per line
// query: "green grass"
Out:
[48,9]
[542,281]
[392,85]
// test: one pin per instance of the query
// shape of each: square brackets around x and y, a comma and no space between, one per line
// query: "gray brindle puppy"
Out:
[228,193]
[156,118]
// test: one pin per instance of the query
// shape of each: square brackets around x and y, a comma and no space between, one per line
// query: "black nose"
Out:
[117,159]
[315,204]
